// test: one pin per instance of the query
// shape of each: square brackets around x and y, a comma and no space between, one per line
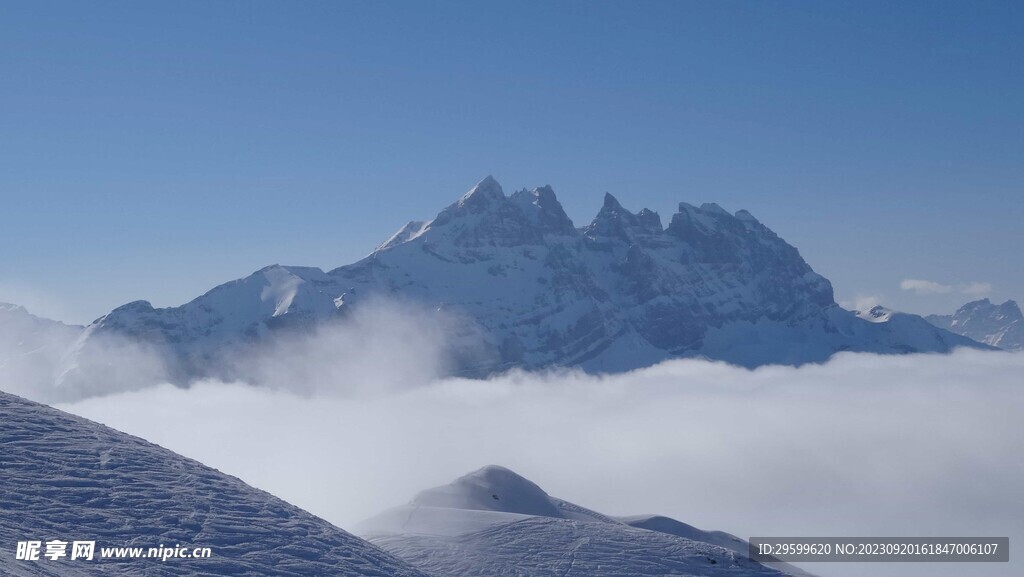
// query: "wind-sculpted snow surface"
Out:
[516,285]
[66,478]
[494,523]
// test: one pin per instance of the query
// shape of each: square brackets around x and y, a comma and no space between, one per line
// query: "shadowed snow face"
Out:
[863,445]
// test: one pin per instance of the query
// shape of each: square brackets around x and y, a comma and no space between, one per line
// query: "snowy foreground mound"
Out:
[66,478]
[494,522]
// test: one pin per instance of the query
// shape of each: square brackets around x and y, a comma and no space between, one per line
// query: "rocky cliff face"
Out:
[530,290]
[997,325]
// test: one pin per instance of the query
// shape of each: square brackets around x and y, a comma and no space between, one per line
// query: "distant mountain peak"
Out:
[997,325]
[12,308]
[981,304]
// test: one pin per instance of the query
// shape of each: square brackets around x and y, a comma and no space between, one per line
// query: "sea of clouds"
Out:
[864,445]
[355,420]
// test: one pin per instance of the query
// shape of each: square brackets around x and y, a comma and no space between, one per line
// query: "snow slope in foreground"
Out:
[68,478]
[493,522]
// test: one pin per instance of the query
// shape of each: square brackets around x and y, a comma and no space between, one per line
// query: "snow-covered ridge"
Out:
[531,290]
[32,349]
[984,321]
[494,522]
[68,478]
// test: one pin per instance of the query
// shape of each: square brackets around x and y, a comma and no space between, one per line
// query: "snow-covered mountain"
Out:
[997,325]
[521,286]
[493,522]
[32,349]
[69,479]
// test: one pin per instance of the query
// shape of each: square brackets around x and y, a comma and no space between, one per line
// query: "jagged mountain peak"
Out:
[531,291]
[975,311]
[708,217]
[611,203]
[976,304]
[650,220]
[541,207]
[486,191]
[709,213]
[614,221]
[485,217]
[611,209]
[986,322]
[545,192]
[485,197]
[12,308]
[1009,308]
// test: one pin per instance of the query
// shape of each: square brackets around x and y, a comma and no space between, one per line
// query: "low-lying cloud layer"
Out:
[864,445]
[378,348]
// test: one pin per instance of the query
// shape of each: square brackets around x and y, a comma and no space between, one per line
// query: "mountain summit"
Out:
[531,290]
[986,322]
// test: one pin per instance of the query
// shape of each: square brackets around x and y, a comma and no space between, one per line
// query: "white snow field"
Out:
[65,478]
[493,522]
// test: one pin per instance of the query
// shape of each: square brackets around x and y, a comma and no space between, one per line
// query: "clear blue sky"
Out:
[152,150]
